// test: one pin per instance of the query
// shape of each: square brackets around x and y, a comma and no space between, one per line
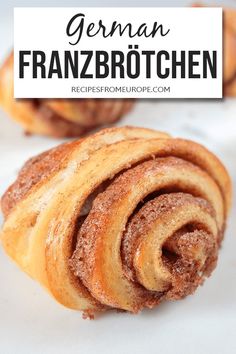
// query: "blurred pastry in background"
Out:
[58,117]
[229,51]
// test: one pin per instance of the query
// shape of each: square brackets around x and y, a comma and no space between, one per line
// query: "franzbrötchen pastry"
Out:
[123,219]
[58,117]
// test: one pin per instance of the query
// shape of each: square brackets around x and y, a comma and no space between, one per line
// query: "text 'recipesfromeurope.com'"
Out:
[120,89]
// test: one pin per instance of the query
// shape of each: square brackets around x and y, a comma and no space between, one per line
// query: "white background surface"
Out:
[205,323]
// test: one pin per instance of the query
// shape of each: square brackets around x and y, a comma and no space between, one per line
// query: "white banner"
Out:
[118,52]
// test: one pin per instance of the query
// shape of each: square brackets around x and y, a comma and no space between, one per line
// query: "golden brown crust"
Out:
[36,169]
[123,219]
[58,117]
[40,167]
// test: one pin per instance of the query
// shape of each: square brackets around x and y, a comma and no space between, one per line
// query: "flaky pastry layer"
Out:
[122,219]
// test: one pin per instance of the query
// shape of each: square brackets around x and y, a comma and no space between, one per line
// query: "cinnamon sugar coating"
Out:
[33,172]
[121,220]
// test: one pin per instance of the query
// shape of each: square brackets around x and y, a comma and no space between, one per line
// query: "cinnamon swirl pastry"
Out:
[229,56]
[58,117]
[123,219]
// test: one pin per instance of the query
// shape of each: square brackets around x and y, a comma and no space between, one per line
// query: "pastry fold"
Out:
[58,117]
[122,219]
